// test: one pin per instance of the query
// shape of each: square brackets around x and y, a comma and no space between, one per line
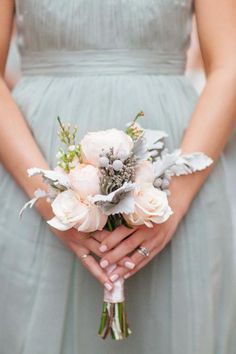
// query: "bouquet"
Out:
[113,178]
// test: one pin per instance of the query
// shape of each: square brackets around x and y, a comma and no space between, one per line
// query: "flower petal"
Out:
[54,222]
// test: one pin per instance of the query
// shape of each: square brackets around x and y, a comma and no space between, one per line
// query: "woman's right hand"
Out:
[85,244]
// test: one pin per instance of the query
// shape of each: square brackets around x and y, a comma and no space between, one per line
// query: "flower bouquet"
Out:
[113,178]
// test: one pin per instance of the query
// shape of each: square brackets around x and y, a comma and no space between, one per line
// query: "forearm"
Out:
[208,130]
[18,150]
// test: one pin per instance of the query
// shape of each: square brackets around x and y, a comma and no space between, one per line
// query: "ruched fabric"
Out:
[96,64]
[103,62]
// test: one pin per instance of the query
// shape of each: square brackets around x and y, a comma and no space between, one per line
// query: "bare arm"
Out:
[208,131]
[15,137]
[16,141]
[215,113]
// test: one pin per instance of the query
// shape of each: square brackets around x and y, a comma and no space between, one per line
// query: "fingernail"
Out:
[108,286]
[129,265]
[103,248]
[104,263]
[127,275]
[114,277]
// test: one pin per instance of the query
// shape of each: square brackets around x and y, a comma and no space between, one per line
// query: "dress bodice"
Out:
[163,26]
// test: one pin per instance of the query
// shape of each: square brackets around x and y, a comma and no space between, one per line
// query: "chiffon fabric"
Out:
[96,63]
[229,159]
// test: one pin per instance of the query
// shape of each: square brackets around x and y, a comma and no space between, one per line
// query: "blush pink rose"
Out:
[71,211]
[151,206]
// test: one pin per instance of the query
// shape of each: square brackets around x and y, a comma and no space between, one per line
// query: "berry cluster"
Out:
[116,170]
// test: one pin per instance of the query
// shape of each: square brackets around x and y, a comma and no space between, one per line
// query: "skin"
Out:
[212,114]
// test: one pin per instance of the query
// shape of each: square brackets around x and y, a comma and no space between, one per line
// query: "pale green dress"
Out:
[97,63]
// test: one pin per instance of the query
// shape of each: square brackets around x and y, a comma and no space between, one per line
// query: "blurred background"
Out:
[194,71]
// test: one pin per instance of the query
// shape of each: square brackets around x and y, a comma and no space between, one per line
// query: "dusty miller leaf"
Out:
[38,194]
[190,163]
[53,178]
[165,162]
[118,201]
[176,164]
[149,140]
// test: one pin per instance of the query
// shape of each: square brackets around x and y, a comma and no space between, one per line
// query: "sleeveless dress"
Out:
[229,159]
[96,64]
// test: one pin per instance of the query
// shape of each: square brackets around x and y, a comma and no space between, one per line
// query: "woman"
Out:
[97,63]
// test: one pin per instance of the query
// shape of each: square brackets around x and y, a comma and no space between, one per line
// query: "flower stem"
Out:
[109,224]
[114,321]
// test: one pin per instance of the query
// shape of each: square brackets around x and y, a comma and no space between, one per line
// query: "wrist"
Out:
[180,195]
[44,208]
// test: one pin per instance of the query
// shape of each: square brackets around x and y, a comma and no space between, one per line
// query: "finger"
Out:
[93,245]
[150,244]
[122,272]
[100,235]
[94,268]
[126,262]
[146,260]
[125,267]
[124,248]
[75,235]
[91,264]
[142,264]
[136,258]
[115,237]
[82,239]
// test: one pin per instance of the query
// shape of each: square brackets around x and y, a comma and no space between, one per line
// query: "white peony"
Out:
[144,172]
[84,180]
[93,143]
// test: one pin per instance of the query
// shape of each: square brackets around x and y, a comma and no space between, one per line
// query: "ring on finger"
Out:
[84,256]
[143,251]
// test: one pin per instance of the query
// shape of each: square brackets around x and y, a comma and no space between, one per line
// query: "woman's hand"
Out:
[88,244]
[84,244]
[119,246]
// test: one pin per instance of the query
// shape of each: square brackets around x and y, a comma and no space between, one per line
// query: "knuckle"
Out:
[109,242]
[113,257]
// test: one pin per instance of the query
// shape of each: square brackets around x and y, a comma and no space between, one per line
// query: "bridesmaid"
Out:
[47,304]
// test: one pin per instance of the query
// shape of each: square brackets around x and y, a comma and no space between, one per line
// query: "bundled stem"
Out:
[114,321]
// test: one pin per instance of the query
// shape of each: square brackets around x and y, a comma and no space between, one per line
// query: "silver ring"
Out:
[84,256]
[143,251]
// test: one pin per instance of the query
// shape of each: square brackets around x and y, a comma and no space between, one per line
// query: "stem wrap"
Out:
[113,320]
[117,294]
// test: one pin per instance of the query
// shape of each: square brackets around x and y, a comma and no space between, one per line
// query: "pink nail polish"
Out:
[108,286]
[129,265]
[103,248]
[127,275]
[104,263]
[114,277]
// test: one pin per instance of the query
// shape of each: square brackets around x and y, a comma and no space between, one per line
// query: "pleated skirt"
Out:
[183,302]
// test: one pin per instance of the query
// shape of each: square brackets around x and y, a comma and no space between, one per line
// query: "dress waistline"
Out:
[103,62]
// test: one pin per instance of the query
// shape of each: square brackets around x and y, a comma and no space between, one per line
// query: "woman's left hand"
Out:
[116,250]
